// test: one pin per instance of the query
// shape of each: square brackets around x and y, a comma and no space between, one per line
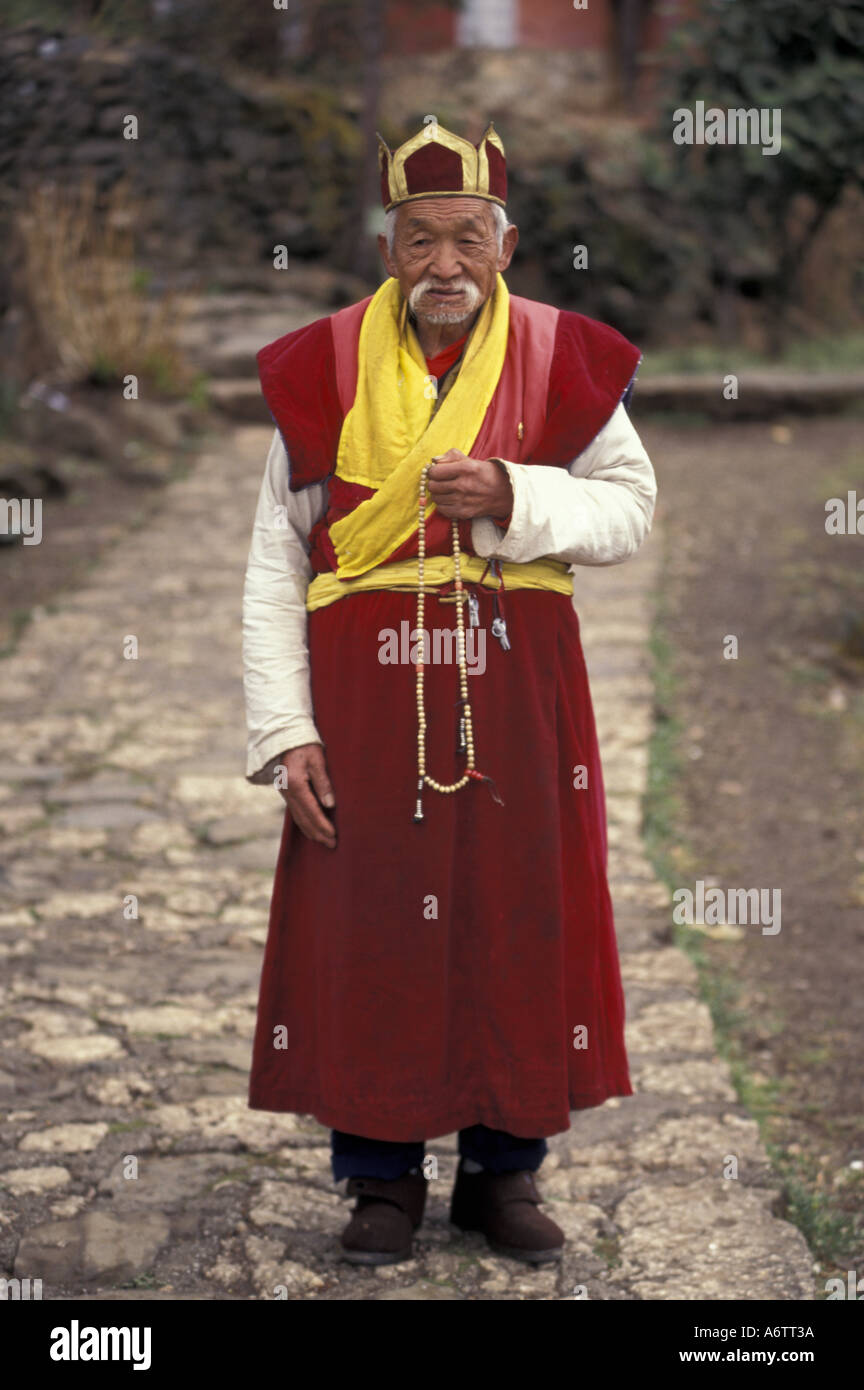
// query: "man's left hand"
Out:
[463,487]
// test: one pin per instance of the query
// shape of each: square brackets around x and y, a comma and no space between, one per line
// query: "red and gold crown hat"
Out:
[435,163]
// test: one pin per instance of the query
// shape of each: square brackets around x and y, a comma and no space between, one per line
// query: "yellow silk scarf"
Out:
[390,434]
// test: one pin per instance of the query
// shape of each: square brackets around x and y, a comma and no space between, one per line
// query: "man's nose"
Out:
[445,263]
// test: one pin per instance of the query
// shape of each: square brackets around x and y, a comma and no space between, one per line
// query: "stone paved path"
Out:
[125,1041]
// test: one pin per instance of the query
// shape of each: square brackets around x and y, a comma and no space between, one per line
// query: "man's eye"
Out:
[420,241]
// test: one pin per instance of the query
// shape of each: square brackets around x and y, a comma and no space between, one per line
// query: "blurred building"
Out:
[617,32]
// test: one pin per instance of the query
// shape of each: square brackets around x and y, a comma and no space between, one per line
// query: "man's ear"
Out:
[511,237]
[385,254]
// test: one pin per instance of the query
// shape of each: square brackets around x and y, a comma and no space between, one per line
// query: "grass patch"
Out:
[272,1162]
[829,1233]
[663,809]
[806,674]
[92,311]
[830,353]
[608,1249]
[198,392]
[17,620]
[16,12]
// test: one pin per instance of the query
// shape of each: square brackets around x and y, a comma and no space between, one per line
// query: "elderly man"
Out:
[441,954]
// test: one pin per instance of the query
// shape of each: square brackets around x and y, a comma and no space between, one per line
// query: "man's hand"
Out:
[463,487]
[307,789]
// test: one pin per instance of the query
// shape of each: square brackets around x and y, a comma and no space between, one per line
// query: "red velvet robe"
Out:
[463,970]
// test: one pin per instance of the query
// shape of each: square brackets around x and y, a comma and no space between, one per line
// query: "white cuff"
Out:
[262,760]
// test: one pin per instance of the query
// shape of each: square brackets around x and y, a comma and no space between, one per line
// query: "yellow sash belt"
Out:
[536,574]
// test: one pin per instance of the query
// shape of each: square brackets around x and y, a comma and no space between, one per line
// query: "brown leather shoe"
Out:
[504,1207]
[387,1213]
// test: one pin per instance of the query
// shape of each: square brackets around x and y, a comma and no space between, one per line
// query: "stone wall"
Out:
[222,173]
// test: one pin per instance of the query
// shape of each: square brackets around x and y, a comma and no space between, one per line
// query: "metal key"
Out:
[473,610]
[499,630]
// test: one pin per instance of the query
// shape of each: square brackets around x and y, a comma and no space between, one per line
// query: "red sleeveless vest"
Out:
[563,377]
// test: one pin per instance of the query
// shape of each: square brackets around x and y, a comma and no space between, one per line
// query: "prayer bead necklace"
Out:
[466,725]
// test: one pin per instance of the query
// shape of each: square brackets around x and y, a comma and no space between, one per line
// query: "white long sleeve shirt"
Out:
[597,511]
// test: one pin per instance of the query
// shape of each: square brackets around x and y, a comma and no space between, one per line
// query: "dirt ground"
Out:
[770,754]
[88,506]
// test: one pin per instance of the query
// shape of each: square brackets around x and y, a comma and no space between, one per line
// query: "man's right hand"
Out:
[307,788]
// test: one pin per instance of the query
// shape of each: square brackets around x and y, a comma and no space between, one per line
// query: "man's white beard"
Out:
[443,315]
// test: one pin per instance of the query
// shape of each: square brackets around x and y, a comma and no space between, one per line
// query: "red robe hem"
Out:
[378,1125]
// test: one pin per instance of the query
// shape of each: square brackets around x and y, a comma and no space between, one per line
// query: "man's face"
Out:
[445,256]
